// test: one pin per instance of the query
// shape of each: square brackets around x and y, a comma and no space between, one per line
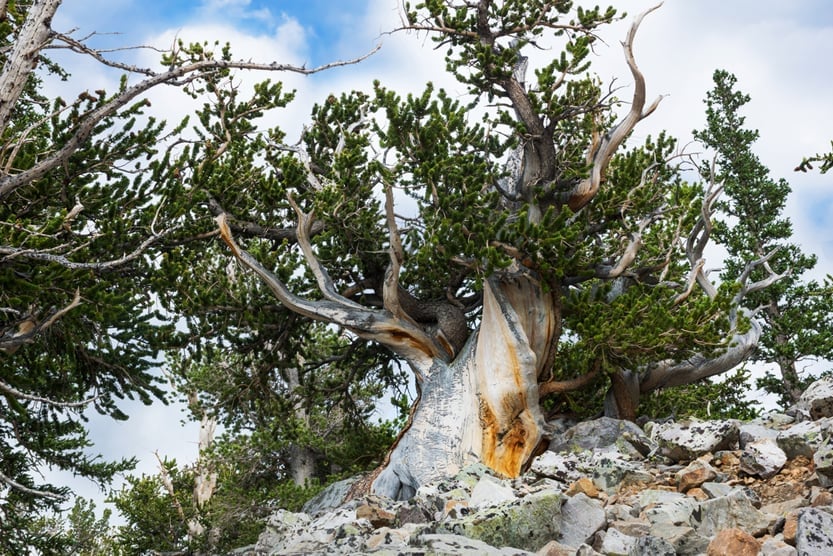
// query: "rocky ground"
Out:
[608,487]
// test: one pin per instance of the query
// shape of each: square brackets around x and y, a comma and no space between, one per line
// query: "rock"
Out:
[801,439]
[527,523]
[762,458]
[814,533]
[584,486]
[490,491]
[652,546]
[752,432]
[774,547]
[690,440]
[581,517]
[330,498]
[386,537]
[823,463]
[817,399]
[662,508]
[694,475]
[733,511]
[377,516]
[554,548]
[716,490]
[458,545]
[604,433]
[616,543]
[733,542]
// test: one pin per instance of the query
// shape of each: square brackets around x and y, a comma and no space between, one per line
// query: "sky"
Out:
[779,51]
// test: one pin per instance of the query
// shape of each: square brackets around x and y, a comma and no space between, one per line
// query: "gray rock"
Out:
[814,533]
[665,508]
[490,491]
[817,399]
[329,498]
[690,440]
[652,546]
[734,510]
[752,432]
[456,545]
[762,458]
[604,433]
[527,523]
[616,543]
[716,490]
[774,547]
[801,439]
[581,517]
[823,463]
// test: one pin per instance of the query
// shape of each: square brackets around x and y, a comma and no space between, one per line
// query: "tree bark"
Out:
[482,406]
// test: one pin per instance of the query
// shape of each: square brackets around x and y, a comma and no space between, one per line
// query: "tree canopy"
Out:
[510,253]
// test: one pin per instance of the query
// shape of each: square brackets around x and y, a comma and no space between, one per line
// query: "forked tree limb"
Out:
[587,188]
[408,340]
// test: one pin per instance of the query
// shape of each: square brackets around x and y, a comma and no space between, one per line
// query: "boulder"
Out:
[762,458]
[689,440]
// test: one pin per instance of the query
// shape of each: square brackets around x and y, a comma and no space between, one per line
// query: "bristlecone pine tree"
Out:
[797,314]
[78,232]
[538,256]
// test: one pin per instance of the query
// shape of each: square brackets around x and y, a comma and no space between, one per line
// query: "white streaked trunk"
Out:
[482,406]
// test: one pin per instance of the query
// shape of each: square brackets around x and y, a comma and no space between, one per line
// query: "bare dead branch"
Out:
[390,288]
[174,75]
[33,491]
[325,283]
[401,336]
[586,189]
[45,255]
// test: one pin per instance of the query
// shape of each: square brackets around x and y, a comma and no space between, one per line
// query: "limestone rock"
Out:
[528,523]
[604,433]
[817,399]
[581,517]
[814,533]
[823,463]
[490,491]
[762,458]
[690,440]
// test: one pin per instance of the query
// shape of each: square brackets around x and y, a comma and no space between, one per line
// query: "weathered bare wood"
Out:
[22,60]
[600,156]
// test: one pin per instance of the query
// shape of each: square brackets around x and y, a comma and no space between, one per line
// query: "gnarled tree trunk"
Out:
[483,405]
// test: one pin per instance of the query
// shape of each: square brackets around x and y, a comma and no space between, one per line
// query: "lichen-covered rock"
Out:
[458,545]
[490,491]
[733,511]
[330,498]
[823,463]
[817,399]
[762,458]
[528,523]
[814,533]
[801,439]
[606,434]
[689,440]
[752,432]
[615,543]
